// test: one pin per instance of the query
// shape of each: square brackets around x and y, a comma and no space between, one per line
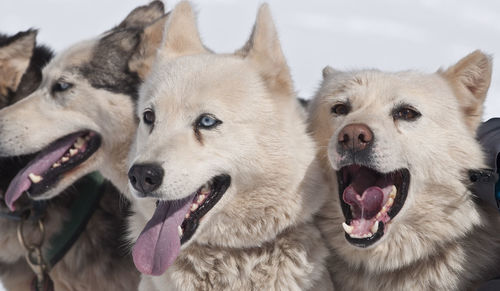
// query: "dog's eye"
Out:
[406,113]
[61,86]
[207,121]
[149,117]
[340,109]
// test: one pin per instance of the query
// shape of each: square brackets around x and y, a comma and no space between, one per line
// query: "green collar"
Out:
[90,189]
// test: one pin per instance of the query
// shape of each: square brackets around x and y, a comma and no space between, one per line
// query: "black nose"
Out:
[146,178]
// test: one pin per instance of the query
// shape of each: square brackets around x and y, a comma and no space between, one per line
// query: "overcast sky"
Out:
[389,34]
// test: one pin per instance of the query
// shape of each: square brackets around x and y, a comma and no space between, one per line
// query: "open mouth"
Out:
[174,223]
[47,167]
[369,201]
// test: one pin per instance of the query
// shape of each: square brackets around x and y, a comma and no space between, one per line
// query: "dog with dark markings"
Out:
[396,149]
[98,259]
[99,78]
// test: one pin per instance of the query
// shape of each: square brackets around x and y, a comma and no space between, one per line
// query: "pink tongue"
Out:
[38,166]
[159,243]
[366,205]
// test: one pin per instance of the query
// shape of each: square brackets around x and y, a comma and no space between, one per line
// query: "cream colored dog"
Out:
[396,148]
[223,149]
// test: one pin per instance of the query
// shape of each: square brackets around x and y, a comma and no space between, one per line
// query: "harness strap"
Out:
[90,190]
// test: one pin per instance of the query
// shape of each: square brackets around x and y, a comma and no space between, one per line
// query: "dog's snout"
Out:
[355,137]
[146,178]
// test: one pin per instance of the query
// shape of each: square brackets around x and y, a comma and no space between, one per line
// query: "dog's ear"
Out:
[15,58]
[143,15]
[470,80]
[329,72]
[150,40]
[264,48]
[181,33]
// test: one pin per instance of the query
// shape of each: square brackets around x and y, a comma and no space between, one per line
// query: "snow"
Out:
[386,34]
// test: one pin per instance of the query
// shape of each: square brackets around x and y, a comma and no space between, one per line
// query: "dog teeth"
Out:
[393,193]
[374,227]
[87,138]
[347,228]
[64,159]
[73,152]
[35,178]
[79,143]
[201,198]
[56,164]
[179,230]
[187,215]
[194,206]
[389,202]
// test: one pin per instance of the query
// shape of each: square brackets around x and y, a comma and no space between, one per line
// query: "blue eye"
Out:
[61,86]
[207,121]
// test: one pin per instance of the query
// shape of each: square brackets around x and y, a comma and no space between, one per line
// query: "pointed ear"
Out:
[143,15]
[329,72]
[470,80]
[15,58]
[181,33]
[150,40]
[264,49]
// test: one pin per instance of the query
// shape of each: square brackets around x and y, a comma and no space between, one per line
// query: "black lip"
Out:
[220,185]
[399,202]
[53,175]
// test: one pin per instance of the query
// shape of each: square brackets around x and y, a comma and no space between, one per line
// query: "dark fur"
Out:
[99,254]
[33,76]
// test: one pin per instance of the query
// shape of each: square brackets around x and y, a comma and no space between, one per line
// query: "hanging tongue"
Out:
[40,164]
[159,243]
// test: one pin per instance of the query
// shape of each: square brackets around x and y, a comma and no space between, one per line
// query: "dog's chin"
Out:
[370,200]
[55,167]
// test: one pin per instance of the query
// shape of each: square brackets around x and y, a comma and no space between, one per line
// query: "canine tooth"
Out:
[374,228]
[87,137]
[378,215]
[56,164]
[73,152]
[79,143]
[35,178]
[393,193]
[389,202]
[347,228]
[64,159]
[187,215]
[179,230]
[194,206]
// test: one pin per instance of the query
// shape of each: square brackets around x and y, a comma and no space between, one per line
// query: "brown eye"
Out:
[149,117]
[340,109]
[406,113]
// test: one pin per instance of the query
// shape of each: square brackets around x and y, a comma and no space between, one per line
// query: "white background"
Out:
[389,34]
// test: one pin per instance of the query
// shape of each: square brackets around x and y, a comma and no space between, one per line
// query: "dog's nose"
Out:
[146,178]
[355,137]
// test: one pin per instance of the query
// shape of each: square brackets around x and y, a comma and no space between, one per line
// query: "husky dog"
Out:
[97,260]
[222,148]
[81,119]
[396,149]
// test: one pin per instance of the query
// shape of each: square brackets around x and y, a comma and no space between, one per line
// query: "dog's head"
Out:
[21,63]
[221,145]
[400,145]
[81,117]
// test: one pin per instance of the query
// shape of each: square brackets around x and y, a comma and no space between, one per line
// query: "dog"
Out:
[57,123]
[396,149]
[84,266]
[222,149]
